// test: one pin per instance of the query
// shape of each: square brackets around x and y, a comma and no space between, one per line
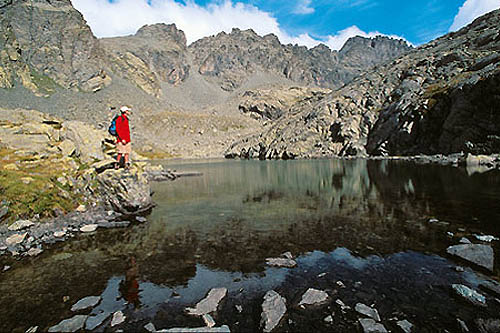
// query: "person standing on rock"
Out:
[123,144]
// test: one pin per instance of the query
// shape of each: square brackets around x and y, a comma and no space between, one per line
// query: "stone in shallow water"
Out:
[209,303]
[70,325]
[281,262]
[367,311]
[491,286]
[313,297]
[405,325]
[150,327]
[371,326]
[488,325]
[20,224]
[209,321]
[118,318]
[478,254]
[59,234]
[34,251]
[469,294]
[222,329]
[94,321]
[273,309]
[85,303]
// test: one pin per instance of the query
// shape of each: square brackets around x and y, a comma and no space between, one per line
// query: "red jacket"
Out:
[122,129]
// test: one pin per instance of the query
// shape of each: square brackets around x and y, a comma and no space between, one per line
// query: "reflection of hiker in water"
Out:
[129,288]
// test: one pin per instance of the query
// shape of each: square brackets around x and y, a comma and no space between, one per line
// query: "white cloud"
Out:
[125,17]
[303,7]
[470,10]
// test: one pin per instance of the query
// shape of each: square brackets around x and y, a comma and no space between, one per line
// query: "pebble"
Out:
[59,234]
[209,321]
[20,224]
[89,228]
[328,319]
[34,251]
[150,327]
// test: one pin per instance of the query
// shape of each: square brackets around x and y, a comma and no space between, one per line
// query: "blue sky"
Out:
[303,22]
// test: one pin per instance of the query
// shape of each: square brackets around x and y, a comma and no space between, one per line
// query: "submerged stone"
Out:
[469,294]
[281,262]
[371,326]
[273,309]
[209,303]
[85,303]
[313,297]
[367,311]
[94,321]
[491,286]
[70,325]
[479,254]
[118,318]
[222,329]
[405,326]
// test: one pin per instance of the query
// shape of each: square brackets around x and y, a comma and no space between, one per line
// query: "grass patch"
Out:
[44,83]
[35,190]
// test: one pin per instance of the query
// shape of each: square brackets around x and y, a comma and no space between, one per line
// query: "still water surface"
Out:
[364,223]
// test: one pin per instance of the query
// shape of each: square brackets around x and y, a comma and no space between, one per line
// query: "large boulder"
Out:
[127,192]
[87,140]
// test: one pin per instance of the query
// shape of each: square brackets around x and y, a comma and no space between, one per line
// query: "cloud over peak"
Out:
[470,10]
[125,17]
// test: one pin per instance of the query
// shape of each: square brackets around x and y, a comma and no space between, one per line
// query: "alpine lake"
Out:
[364,231]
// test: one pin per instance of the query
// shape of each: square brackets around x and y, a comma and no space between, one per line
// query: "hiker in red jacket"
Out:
[123,145]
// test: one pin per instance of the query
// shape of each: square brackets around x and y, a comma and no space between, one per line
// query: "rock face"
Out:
[230,58]
[47,44]
[154,55]
[434,99]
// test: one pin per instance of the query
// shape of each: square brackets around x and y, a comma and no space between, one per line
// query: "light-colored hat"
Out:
[125,109]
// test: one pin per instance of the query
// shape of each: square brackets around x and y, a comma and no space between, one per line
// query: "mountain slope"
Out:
[438,98]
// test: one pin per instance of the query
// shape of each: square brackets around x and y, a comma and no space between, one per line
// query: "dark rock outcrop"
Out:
[438,98]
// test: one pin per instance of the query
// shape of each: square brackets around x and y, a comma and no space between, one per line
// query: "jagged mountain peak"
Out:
[162,31]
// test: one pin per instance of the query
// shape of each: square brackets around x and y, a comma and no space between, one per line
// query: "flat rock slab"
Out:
[85,303]
[273,309]
[222,329]
[313,297]
[94,321]
[70,325]
[89,228]
[469,294]
[34,251]
[281,262]
[479,254]
[20,225]
[405,326]
[16,239]
[367,311]
[208,304]
[118,318]
[371,326]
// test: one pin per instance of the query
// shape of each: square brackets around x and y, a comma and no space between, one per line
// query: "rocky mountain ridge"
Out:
[438,98]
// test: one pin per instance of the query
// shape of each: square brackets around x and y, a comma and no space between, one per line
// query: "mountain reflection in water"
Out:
[364,223]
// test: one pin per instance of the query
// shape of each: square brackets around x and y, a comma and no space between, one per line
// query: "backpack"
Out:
[112,127]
